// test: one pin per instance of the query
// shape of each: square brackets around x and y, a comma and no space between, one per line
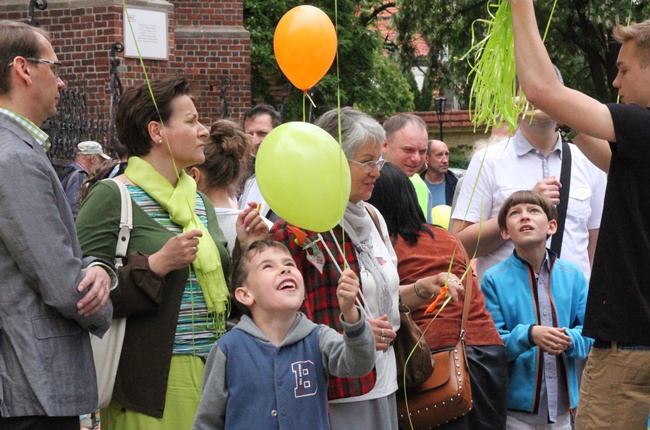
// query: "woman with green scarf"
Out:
[172,288]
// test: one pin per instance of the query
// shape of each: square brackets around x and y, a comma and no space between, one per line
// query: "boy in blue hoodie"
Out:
[271,370]
[537,302]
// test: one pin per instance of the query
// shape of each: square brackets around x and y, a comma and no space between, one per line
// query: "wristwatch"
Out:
[567,132]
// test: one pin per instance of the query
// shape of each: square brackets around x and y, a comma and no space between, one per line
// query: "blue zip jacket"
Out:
[511,298]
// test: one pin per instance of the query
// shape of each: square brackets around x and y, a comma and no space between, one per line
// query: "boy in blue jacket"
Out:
[271,370]
[537,302]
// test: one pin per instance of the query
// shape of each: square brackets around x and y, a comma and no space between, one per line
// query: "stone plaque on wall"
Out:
[150,30]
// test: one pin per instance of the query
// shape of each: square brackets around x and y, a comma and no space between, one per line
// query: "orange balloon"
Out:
[305,45]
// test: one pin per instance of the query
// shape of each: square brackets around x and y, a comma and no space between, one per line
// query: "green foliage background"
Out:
[579,43]
[368,80]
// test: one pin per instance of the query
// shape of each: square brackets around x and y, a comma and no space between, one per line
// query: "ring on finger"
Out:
[382,339]
[195,248]
[382,332]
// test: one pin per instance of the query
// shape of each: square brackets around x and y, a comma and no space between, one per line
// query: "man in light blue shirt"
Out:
[439,179]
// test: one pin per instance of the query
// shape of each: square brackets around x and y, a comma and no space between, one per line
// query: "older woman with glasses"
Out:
[367,402]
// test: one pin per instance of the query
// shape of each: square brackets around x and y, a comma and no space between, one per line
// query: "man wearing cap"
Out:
[89,155]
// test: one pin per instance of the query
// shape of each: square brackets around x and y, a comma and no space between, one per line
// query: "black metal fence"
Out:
[73,123]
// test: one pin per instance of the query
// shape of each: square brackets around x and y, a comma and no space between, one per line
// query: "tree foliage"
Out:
[579,40]
[367,79]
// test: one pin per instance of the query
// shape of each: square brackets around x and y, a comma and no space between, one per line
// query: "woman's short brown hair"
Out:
[137,109]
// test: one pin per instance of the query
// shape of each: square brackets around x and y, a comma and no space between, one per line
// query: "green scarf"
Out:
[180,202]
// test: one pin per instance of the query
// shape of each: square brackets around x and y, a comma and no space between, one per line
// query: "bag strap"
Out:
[126,223]
[375,219]
[68,178]
[565,180]
[466,302]
[468,291]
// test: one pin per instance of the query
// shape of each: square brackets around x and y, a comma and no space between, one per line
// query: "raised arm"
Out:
[596,150]
[542,89]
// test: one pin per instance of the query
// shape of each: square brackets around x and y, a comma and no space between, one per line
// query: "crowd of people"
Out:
[235,318]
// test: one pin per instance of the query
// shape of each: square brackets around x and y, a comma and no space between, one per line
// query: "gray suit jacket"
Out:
[46,363]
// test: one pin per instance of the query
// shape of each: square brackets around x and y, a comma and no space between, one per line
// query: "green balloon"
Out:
[304,176]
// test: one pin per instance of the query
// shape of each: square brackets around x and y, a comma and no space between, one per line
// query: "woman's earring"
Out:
[160,141]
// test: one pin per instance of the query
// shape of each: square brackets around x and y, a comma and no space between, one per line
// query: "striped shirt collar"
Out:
[523,147]
[41,137]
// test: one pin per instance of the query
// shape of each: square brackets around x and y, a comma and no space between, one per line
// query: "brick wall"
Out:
[213,48]
[207,42]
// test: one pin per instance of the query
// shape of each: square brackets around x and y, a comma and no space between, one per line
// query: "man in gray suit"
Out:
[49,296]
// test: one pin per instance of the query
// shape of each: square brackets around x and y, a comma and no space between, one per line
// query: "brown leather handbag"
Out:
[447,394]
[418,368]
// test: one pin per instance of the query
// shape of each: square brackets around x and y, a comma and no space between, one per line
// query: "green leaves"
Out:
[579,39]
[367,79]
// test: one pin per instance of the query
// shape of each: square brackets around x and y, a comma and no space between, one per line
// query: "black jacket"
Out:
[450,185]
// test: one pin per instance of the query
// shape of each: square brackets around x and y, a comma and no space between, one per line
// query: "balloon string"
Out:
[338,108]
[304,106]
[366,312]
[550,18]
[310,101]
[153,98]
[629,19]
[341,251]
[301,241]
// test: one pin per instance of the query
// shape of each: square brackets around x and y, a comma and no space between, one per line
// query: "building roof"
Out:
[384,24]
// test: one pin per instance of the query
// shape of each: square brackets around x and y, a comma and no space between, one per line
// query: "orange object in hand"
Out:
[432,306]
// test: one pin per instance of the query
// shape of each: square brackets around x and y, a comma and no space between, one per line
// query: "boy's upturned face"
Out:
[528,225]
[273,284]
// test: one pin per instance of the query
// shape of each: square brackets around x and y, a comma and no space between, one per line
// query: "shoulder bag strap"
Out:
[468,288]
[126,223]
[565,180]
[375,219]
[66,181]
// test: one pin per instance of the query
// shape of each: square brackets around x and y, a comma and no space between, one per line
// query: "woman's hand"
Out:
[179,251]
[383,331]
[431,285]
[250,226]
